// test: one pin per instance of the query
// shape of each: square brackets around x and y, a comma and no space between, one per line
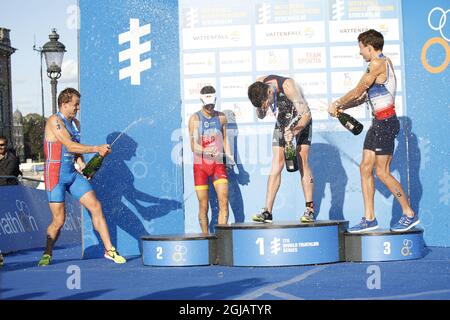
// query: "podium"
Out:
[280,243]
[384,245]
[178,250]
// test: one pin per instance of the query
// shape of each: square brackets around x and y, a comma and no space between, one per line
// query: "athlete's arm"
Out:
[194,135]
[226,145]
[350,99]
[79,157]
[56,130]
[293,94]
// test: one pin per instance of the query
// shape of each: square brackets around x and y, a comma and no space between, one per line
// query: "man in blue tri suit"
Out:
[285,99]
[62,150]
[377,88]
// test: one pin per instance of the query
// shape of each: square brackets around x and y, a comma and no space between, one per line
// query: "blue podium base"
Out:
[384,245]
[280,243]
[178,250]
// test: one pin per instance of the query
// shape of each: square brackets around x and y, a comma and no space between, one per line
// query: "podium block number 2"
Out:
[159,252]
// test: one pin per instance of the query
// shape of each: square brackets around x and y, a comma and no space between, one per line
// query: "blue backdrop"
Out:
[142,184]
[139,185]
[428,92]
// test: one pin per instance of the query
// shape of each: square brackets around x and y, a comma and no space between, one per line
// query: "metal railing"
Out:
[26,181]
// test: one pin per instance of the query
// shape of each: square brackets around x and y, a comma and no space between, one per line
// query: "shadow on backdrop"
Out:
[114,182]
[326,165]
[237,176]
[406,161]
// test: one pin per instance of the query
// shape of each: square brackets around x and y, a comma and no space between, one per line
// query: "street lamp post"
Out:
[54,53]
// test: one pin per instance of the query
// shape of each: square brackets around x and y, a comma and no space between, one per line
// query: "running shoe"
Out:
[405,223]
[113,255]
[45,260]
[264,216]
[2,260]
[308,215]
[364,225]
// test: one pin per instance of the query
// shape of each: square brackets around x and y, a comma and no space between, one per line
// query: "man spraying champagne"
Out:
[377,86]
[62,150]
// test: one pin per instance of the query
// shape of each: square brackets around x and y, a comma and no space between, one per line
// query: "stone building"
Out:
[6,114]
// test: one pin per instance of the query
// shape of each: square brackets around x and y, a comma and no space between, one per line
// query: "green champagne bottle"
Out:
[290,152]
[93,166]
[290,157]
[350,123]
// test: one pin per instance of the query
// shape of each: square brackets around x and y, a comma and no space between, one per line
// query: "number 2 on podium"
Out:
[159,253]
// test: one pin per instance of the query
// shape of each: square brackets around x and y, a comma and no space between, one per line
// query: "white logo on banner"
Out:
[264,13]
[338,10]
[134,52]
[191,18]
[275,245]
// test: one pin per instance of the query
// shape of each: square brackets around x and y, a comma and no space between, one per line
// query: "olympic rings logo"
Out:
[437,40]
[406,250]
[179,254]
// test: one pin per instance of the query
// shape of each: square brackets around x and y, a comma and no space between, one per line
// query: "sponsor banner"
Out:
[309,58]
[25,216]
[345,57]
[277,11]
[217,37]
[312,83]
[357,9]
[273,59]
[193,86]
[234,87]
[393,52]
[240,111]
[289,33]
[197,14]
[235,61]
[342,82]
[199,63]
[348,30]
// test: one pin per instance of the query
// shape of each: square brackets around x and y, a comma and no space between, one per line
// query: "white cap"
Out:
[208,98]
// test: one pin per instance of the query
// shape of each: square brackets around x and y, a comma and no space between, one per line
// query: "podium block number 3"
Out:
[387,248]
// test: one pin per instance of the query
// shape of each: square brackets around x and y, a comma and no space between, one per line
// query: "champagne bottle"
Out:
[93,166]
[290,152]
[290,157]
[353,125]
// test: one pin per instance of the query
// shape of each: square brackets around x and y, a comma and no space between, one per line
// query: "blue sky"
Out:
[34,19]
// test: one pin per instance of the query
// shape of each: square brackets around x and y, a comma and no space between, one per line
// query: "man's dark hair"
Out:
[4,138]
[372,37]
[66,95]
[207,89]
[257,93]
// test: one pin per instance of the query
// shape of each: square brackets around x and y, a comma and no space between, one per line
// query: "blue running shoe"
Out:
[405,223]
[364,225]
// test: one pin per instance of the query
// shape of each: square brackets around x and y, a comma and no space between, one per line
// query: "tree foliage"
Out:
[33,134]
